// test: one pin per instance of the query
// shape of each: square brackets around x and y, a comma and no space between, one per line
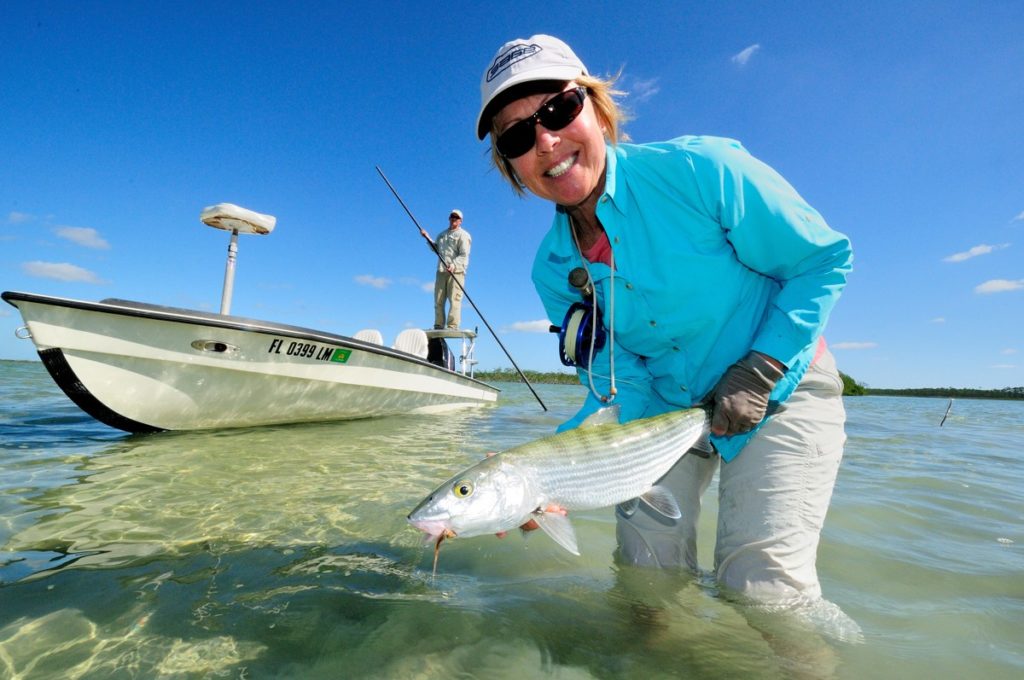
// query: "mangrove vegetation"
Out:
[851,388]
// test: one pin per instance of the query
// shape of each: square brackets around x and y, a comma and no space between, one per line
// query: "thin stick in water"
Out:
[948,409]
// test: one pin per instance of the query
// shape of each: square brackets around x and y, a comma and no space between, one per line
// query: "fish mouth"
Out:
[434,528]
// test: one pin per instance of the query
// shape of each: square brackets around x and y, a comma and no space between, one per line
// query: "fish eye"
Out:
[462,488]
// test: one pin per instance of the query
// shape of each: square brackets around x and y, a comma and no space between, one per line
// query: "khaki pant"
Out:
[445,289]
[773,498]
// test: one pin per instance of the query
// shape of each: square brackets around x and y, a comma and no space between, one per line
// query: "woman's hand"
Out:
[741,396]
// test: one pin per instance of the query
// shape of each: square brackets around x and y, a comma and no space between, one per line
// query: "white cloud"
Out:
[86,237]
[939,319]
[538,326]
[999,286]
[983,249]
[1008,351]
[373,281]
[425,286]
[853,345]
[60,271]
[743,57]
[1003,366]
[1019,218]
[642,90]
[18,217]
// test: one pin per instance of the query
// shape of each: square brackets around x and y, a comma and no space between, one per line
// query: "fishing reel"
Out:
[582,333]
[577,339]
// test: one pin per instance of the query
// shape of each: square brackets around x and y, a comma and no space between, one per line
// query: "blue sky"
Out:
[901,122]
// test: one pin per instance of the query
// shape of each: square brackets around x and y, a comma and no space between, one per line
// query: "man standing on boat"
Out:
[453,248]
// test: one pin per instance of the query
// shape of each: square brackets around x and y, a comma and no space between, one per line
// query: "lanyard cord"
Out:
[612,391]
[611,333]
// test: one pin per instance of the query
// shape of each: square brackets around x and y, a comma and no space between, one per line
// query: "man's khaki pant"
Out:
[445,289]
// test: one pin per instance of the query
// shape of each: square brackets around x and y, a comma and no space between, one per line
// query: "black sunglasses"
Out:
[555,114]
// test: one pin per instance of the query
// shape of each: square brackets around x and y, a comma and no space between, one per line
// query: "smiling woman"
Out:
[567,165]
[712,280]
[527,111]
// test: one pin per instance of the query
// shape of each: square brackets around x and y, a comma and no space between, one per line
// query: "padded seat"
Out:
[370,335]
[412,341]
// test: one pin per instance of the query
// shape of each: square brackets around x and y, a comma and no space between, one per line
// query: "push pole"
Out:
[433,247]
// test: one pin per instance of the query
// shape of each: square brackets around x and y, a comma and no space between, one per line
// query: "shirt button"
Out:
[629,286]
[682,387]
[616,239]
[675,348]
[653,323]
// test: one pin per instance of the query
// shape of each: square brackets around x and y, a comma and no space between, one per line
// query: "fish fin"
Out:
[662,500]
[703,446]
[559,528]
[602,416]
[627,508]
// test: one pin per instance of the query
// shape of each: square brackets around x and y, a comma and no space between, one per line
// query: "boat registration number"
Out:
[309,350]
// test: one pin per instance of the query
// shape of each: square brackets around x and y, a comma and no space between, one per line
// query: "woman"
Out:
[714,279]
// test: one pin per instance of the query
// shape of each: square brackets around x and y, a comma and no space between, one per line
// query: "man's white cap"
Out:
[456,212]
[540,57]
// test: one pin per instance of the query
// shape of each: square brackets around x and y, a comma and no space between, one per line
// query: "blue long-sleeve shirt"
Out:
[715,255]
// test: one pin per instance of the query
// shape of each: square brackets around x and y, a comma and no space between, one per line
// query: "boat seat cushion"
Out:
[370,335]
[413,341]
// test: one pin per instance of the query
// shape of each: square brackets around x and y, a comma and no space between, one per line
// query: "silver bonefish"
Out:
[600,463]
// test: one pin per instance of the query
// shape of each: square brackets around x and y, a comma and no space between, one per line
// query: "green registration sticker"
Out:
[341,355]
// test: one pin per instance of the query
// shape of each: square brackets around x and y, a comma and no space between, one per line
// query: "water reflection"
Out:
[284,552]
[67,644]
[173,493]
[286,549]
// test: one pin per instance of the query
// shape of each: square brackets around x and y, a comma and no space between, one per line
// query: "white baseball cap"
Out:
[456,212]
[539,57]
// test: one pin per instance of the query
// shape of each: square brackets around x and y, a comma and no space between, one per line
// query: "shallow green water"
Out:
[284,552]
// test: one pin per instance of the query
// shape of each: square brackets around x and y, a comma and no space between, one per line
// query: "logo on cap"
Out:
[510,56]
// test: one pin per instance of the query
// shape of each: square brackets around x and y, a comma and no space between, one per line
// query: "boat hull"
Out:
[145,368]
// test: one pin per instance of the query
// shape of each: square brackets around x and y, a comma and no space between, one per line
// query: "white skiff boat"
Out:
[144,368]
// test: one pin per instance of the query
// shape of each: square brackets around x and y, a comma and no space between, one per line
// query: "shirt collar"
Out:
[613,179]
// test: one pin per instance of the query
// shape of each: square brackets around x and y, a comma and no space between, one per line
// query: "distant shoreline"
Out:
[851,388]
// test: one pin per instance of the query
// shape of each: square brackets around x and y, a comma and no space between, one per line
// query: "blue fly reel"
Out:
[576,337]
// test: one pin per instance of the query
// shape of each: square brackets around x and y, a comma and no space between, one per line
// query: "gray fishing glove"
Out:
[741,396]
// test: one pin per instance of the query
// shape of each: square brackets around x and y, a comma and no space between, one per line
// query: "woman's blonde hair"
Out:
[602,94]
